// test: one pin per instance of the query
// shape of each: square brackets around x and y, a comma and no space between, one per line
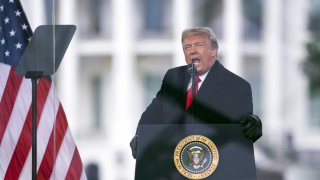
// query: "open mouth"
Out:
[196,61]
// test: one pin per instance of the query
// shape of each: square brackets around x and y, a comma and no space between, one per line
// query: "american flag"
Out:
[57,154]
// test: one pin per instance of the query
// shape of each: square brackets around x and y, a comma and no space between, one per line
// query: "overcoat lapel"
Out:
[211,83]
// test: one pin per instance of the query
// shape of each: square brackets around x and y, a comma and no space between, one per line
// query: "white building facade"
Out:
[122,48]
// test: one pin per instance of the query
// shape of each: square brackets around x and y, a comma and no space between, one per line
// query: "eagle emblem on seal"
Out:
[197,157]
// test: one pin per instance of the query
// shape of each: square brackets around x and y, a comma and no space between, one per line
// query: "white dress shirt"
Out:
[202,77]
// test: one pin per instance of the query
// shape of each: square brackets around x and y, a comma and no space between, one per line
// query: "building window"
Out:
[95,17]
[312,64]
[152,84]
[154,21]
[252,73]
[156,18]
[314,18]
[314,110]
[97,101]
[210,14]
[94,92]
[252,11]
[152,69]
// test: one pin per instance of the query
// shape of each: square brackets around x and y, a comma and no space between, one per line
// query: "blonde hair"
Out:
[201,31]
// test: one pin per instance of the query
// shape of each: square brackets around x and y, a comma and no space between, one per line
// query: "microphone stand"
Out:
[193,86]
[34,76]
[193,80]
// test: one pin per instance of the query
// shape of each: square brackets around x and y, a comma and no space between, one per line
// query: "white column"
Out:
[182,19]
[123,85]
[122,64]
[272,72]
[67,73]
[232,34]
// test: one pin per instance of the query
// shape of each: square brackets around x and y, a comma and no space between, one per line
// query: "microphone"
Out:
[192,70]
[193,67]
[193,76]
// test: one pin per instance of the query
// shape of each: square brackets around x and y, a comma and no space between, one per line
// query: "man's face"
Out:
[198,47]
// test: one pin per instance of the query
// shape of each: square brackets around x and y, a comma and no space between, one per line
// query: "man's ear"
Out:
[213,53]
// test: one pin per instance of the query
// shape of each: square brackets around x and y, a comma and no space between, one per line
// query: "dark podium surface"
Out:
[156,145]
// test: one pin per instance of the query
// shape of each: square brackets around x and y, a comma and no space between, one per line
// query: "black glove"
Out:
[252,127]
[133,145]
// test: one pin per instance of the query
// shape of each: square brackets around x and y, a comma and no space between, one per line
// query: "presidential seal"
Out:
[196,157]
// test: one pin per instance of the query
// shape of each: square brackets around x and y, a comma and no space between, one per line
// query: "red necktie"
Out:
[189,94]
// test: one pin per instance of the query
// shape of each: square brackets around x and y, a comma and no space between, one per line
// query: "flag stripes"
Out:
[4,76]
[46,166]
[8,99]
[24,144]
[21,148]
[15,124]
[76,166]
[64,158]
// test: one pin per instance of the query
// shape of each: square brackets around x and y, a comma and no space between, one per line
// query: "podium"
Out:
[194,151]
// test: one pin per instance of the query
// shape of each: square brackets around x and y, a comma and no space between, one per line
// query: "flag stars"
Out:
[24,26]
[17,12]
[12,33]
[3,41]
[6,20]
[1,8]
[29,39]
[10,1]
[7,53]
[18,45]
